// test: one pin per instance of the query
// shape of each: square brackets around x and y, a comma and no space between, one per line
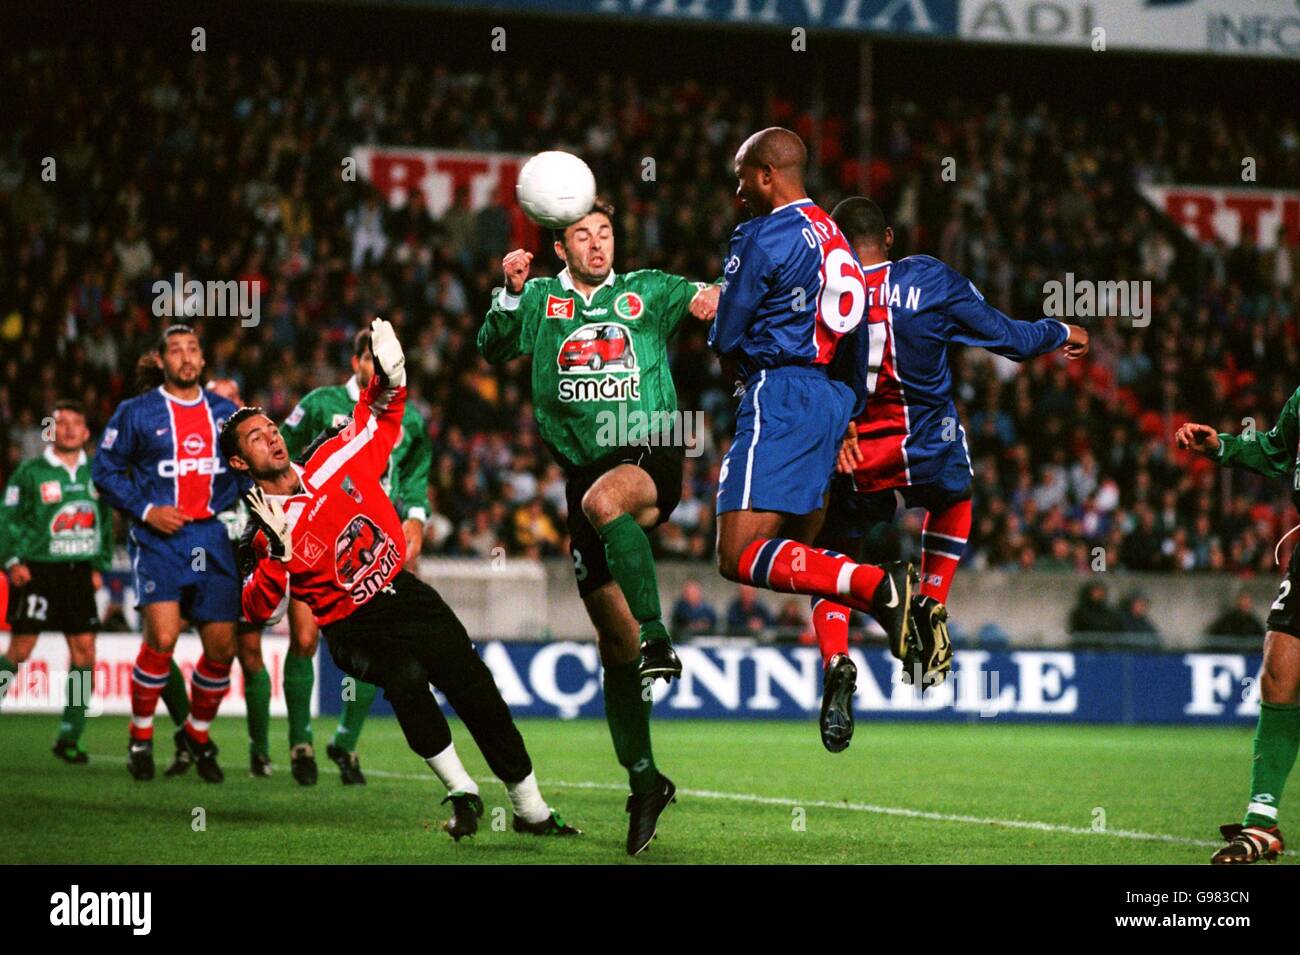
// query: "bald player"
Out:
[793,299]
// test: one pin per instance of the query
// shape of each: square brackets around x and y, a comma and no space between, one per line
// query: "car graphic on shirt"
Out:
[594,347]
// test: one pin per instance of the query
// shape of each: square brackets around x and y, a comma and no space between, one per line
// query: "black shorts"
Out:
[1284,612]
[59,597]
[851,514]
[662,463]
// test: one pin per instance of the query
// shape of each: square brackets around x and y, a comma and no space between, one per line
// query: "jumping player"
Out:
[1274,453]
[598,346]
[792,292]
[327,530]
[56,536]
[908,441]
[158,463]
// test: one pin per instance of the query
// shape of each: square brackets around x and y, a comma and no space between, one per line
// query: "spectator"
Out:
[1093,612]
[691,616]
[1238,620]
[746,615]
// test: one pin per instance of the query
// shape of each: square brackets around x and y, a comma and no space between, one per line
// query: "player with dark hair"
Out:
[56,536]
[793,296]
[598,343]
[907,441]
[406,483]
[159,464]
[326,530]
[1273,453]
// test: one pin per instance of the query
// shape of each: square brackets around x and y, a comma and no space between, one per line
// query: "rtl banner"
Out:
[1233,215]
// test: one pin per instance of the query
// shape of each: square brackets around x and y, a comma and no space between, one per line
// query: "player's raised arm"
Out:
[377,418]
[745,282]
[976,322]
[1271,452]
[501,336]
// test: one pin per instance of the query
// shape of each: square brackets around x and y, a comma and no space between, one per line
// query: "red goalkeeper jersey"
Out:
[347,539]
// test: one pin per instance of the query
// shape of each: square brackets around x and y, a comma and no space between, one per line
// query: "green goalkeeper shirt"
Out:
[600,364]
[1274,453]
[407,478]
[53,513]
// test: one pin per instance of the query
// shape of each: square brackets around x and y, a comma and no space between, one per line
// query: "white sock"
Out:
[527,800]
[449,769]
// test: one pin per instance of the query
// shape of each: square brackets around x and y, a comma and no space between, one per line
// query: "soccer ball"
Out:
[556,189]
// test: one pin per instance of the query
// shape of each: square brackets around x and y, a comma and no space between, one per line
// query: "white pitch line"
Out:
[864,807]
[896,811]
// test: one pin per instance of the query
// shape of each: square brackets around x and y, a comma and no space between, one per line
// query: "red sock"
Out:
[147,681]
[943,541]
[831,621]
[786,566]
[208,684]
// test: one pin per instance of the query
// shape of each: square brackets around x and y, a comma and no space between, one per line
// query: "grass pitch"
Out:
[750,792]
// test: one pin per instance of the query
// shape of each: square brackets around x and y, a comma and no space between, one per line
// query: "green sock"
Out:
[354,715]
[176,695]
[299,678]
[8,669]
[631,562]
[1277,740]
[627,709]
[74,713]
[257,700]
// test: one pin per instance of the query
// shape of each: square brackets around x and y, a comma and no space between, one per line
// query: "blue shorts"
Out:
[788,432]
[194,567]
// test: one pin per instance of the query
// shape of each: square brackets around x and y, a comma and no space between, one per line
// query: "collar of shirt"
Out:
[566,282]
[53,458]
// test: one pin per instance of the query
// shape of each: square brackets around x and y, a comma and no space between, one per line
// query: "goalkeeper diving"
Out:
[327,530]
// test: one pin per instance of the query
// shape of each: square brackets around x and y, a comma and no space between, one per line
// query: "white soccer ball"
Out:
[556,189]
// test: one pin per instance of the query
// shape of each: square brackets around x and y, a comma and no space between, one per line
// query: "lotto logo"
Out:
[170,467]
[559,307]
[51,492]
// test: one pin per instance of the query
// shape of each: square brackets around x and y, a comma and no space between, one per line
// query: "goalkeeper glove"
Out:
[268,513]
[390,361]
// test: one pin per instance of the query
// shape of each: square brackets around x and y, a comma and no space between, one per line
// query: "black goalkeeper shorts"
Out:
[662,463]
[1284,612]
[60,597]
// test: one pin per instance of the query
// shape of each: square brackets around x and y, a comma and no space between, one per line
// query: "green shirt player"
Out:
[1277,735]
[607,409]
[407,483]
[55,538]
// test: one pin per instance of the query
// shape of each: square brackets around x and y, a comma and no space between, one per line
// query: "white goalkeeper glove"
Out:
[390,361]
[270,515]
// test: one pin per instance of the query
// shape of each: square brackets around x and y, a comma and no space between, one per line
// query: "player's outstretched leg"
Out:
[617,504]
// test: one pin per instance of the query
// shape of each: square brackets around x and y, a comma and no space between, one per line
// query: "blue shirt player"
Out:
[159,464]
[793,295]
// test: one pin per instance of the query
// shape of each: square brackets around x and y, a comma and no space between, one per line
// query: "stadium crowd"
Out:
[227,167]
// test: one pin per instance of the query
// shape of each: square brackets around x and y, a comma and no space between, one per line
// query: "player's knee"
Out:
[600,507]
[250,660]
[304,644]
[729,564]
[1278,683]
[18,652]
[81,653]
[406,678]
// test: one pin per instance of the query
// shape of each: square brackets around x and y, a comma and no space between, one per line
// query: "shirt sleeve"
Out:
[412,490]
[111,471]
[15,521]
[973,321]
[675,296]
[505,333]
[1272,452]
[746,280]
[265,587]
